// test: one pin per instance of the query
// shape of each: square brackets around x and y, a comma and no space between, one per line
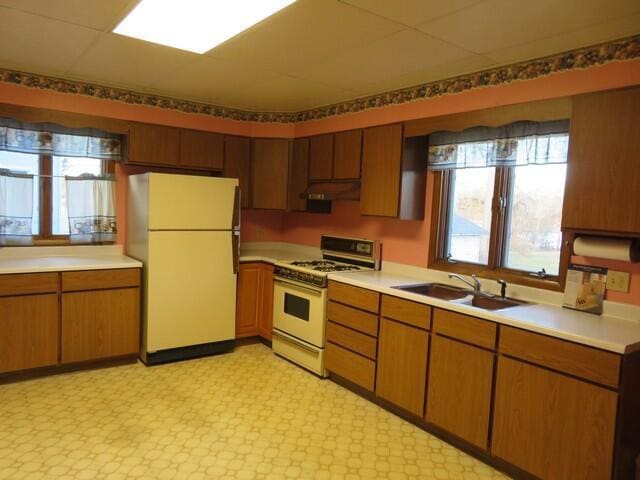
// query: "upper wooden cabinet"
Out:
[270,180]
[321,157]
[393,174]
[201,150]
[347,155]
[602,171]
[299,174]
[153,145]
[237,164]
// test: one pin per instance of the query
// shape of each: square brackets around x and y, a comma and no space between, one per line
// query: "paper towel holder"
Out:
[610,248]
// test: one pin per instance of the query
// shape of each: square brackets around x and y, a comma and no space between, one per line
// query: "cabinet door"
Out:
[100,324]
[381,166]
[270,182]
[237,164]
[28,332]
[248,300]
[347,155]
[459,389]
[551,425]
[153,145]
[321,157]
[402,365]
[299,174]
[265,294]
[201,150]
[603,168]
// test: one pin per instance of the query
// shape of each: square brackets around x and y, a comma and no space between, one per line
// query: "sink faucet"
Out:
[503,289]
[475,285]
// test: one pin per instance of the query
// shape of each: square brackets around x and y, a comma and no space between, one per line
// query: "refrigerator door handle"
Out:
[235,247]
[235,220]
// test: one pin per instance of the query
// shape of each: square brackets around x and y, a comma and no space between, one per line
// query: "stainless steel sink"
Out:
[461,296]
[487,302]
[436,290]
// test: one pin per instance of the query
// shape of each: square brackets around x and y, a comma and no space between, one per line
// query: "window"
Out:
[499,201]
[50,214]
[56,184]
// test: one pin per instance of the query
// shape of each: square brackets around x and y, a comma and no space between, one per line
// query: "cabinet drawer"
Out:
[358,342]
[406,311]
[586,362]
[100,279]
[354,296]
[465,328]
[28,283]
[349,365]
[353,318]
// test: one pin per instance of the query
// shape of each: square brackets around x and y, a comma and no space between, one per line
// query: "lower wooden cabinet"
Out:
[28,332]
[551,425]
[254,301]
[100,324]
[459,389]
[402,365]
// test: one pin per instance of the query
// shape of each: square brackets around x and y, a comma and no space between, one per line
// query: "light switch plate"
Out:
[618,281]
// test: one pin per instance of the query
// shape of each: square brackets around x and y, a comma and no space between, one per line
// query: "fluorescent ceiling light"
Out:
[195,25]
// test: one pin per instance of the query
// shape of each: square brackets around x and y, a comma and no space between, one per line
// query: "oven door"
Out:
[299,310]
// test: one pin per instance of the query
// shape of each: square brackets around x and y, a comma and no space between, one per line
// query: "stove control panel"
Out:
[302,277]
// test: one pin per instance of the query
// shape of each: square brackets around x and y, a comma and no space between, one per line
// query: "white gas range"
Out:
[300,297]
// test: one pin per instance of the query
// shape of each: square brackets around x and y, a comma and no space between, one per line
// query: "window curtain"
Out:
[16,208]
[91,202]
[52,139]
[520,143]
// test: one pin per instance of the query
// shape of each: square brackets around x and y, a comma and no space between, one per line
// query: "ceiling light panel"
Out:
[195,25]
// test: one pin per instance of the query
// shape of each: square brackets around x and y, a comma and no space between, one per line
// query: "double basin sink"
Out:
[461,296]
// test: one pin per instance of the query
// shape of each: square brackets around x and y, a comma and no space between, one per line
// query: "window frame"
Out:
[495,268]
[45,236]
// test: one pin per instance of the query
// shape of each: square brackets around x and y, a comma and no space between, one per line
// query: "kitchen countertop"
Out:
[59,259]
[619,335]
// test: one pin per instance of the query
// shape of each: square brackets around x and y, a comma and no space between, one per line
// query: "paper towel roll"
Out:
[609,248]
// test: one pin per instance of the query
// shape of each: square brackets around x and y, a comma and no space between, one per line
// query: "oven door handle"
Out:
[295,285]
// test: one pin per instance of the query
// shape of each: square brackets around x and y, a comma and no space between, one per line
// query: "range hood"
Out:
[332,191]
[320,195]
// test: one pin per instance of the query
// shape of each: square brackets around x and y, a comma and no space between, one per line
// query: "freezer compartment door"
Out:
[191,289]
[188,202]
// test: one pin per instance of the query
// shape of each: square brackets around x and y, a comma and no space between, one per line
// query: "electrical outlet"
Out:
[618,281]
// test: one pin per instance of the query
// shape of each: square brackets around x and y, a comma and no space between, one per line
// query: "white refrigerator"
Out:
[185,229]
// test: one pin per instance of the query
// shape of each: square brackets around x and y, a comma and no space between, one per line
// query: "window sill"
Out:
[510,276]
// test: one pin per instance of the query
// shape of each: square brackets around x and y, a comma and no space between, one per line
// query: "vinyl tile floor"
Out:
[243,415]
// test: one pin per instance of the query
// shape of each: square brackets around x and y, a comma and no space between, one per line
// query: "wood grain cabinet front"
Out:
[100,324]
[237,164]
[201,150]
[270,178]
[459,389]
[551,425]
[29,332]
[254,300]
[402,365]
[321,157]
[153,145]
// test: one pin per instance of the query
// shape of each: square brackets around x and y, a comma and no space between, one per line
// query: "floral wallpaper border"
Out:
[625,49]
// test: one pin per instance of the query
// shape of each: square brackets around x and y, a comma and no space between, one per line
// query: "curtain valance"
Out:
[52,139]
[519,143]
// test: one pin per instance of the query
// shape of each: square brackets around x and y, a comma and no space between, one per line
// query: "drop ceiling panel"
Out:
[209,79]
[98,14]
[38,44]
[304,33]
[469,64]
[284,93]
[399,54]
[603,32]
[120,61]
[497,24]
[411,12]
